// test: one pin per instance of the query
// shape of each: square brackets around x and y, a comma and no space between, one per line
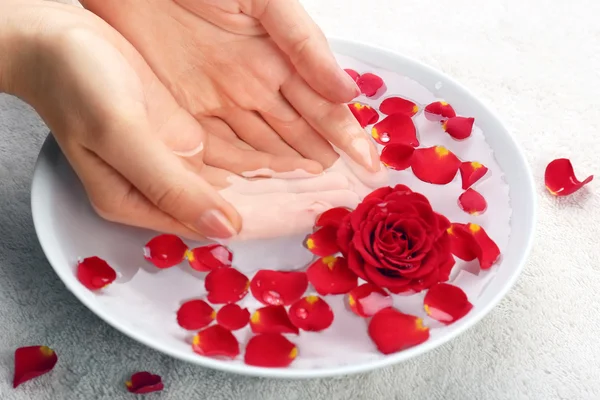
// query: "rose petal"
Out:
[165,251]
[272,319]
[364,114]
[270,350]
[471,172]
[333,217]
[395,128]
[207,258]
[462,242]
[398,105]
[216,341]
[226,285]
[393,331]
[278,287]
[472,202]
[195,314]
[94,273]
[459,128]
[379,194]
[144,382]
[331,275]
[233,317]
[436,165]
[353,74]
[368,299]
[488,252]
[560,178]
[311,313]
[370,84]
[439,110]
[323,242]
[397,156]
[356,263]
[446,303]
[31,362]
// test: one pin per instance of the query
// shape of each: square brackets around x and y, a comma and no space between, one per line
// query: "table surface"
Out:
[538,64]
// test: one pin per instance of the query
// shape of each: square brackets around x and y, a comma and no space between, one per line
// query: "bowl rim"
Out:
[477,314]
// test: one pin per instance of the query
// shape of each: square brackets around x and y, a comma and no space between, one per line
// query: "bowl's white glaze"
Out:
[67,227]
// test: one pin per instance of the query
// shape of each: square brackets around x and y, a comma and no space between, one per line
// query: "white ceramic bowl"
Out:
[68,228]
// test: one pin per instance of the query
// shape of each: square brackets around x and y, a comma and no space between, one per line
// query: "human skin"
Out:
[119,126]
[262,66]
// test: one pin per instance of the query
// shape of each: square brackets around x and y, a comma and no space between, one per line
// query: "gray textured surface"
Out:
[535,62]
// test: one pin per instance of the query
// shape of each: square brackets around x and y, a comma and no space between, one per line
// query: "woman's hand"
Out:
[262,66]
[119,126]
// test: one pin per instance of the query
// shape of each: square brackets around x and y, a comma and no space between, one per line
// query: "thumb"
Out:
[147,162]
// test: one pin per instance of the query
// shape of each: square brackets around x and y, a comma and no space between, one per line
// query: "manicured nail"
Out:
[350,83]
[213,223]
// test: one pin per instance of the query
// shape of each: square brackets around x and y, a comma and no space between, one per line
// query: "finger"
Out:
[252,129]
[221,154]
[321,183]
[297,133]
[116,200]
[294,31]
[282,214]
[333,121]
[163,178]
[220,128]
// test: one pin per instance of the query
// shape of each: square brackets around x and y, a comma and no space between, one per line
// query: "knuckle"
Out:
[168,197]
[108,207]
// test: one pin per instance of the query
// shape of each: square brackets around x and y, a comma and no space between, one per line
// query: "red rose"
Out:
[395,240]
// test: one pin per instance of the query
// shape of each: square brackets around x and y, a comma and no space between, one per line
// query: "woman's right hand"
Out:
[118,125]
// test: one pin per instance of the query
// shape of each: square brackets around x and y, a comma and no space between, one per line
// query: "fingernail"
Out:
[351,83]
[213,223]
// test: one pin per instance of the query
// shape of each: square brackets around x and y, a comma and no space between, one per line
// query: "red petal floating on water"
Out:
[472,202]
[397,156]
[333,217]
[31,362]
[370,84]
[393,331]
[560,178]
[459,127]
[207,258]
[216,341]
[270,350]
[165,251]
[195,314]
[436,165]
[233,317]
[368,299]
[94,273]
[226,285]
[364,114]
[311,313]
[272,319]
[144,382]
[398,105]
[446,303]
[439,110]
[462,242]
[353,74]
[395,128]
[471,172]
[278,287]
[323,242]
[331,275]
[488,252]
